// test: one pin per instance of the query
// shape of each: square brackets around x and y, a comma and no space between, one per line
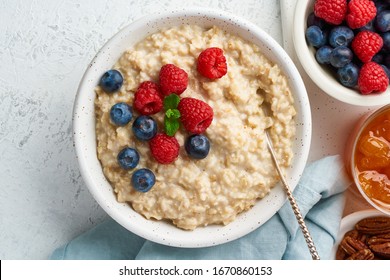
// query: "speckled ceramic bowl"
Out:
[85,138]
[322,76]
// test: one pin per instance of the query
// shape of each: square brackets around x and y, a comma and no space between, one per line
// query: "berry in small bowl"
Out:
[382,21]
[340,36]
[352,40]
[348,75]
[340,56]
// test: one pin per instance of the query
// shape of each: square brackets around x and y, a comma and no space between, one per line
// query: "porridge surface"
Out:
[238,170]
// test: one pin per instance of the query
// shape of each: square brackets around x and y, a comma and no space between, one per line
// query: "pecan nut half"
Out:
[374,225]
[341,254]
[380,245]
[364,254]
[356,235]
[351,245]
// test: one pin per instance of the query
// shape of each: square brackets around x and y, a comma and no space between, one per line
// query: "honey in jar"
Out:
[372,160]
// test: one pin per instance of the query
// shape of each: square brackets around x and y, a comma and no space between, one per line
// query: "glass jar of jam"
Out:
[369,155]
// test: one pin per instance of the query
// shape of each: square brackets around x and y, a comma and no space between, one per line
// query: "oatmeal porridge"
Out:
[238,170]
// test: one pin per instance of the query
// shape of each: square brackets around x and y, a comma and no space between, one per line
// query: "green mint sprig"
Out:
[172,114]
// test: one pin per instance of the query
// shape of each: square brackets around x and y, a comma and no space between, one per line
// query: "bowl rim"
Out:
[90,179]
[318,74]
[352,165]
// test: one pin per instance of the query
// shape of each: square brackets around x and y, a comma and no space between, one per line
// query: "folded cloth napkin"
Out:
[319,195]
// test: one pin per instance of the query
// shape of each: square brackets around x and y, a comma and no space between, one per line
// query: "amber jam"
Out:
[372,159]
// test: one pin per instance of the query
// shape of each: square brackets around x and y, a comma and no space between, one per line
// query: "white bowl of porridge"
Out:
[235,188]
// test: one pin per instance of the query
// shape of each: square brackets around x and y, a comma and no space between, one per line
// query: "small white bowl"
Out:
[85,137]
[321,76]
[352,148]
[348,223]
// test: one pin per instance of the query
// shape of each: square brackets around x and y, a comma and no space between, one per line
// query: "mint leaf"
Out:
[171,102]
[172,114]
[171,126]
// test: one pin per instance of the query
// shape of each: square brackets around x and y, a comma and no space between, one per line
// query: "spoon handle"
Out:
[294,205]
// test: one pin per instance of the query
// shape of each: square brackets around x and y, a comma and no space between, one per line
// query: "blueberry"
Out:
[381,6]
[312,19]
[315,36]
[143,180]
[197,146]
[382,21]
[340,36]
[348,75]
[121,114]
[340,56]
[357,62]
[378,58]
[386,42]
[128,158]
[386,61]
[368,27]
[144,127]
[323,54]
[111,81]
[387,70]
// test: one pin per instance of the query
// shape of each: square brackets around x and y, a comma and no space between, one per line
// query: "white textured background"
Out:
[45,46]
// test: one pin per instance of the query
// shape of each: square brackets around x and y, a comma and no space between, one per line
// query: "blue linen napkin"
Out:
[319,195]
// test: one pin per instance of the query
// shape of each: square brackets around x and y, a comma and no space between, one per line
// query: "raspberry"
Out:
[147,99]
[366,44]
[372,78]
[212,63]
[332,11]
[196,115]
[173,79]
[164,148]
[360,13]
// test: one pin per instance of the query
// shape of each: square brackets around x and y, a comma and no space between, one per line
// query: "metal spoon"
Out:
[294,205]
